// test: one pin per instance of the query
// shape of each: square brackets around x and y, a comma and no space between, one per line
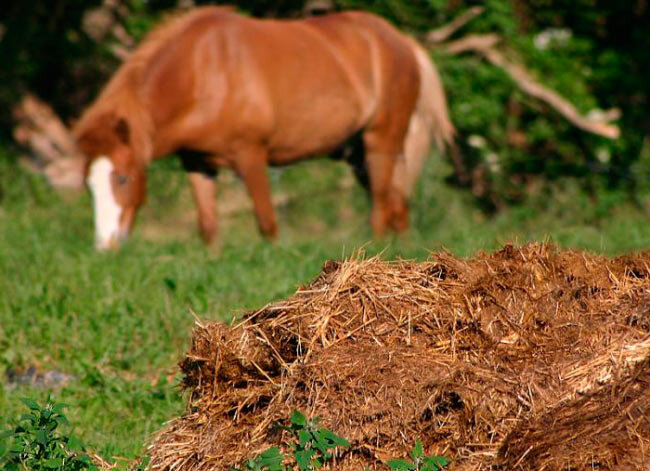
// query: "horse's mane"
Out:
[120,95]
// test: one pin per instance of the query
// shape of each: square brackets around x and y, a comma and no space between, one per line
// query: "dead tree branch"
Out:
[535,89]
[472,42]
[444,32]
[53,149]
[485,46]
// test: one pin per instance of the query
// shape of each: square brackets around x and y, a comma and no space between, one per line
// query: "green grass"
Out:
[119,322]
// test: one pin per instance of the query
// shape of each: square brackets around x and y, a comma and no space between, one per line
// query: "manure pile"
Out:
[527,358]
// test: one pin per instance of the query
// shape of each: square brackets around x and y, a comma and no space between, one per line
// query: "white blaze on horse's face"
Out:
[107,211]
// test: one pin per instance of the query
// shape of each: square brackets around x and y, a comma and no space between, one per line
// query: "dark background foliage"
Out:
[597,60]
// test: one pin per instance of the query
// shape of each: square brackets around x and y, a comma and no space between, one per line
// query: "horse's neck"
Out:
[129,106]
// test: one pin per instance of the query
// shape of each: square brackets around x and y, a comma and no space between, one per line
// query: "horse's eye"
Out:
[121,179]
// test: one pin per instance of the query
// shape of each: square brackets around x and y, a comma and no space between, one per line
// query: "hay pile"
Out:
[527,358]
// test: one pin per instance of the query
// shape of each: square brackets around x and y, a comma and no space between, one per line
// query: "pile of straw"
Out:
[526,358]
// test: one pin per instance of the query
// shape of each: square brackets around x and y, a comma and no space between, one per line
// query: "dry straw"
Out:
[526,358]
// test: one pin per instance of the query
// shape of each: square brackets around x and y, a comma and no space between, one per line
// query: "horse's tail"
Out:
[429,123]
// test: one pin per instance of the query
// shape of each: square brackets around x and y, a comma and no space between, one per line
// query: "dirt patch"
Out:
[526,358]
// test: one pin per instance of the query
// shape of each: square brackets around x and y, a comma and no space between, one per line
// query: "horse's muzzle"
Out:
[114,242]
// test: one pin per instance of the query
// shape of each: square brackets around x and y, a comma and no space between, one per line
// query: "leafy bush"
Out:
[37,443]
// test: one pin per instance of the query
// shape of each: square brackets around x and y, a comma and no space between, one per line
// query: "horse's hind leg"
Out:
[381,155]
[398,202]
[251,166]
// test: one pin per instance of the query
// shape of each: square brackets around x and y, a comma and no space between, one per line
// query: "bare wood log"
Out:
[53,148]
[36,115]
[444,32]
[66,173]
[38,142]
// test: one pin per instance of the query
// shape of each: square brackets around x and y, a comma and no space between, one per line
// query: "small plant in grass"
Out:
[37,443]
[269,460]
[421,462]
[310,451]
[314,443]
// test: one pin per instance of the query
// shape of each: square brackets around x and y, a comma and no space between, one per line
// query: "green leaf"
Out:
[41,437]
[318,441]
[334,438]
[304,437]
[16,447]
[28,417]
[418,450]
[251,464]
[401,465]
[272,459]
[58,408]
[53,463]
[31,403]
[303,458]
[435,463]
[74,443]
[62,419]
[298,419]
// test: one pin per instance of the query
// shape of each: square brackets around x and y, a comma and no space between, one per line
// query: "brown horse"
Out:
[224,90]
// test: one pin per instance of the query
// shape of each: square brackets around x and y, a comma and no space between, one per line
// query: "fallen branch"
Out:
[472,42]
[54,151]
[445,31]
[484,45]
[521,76]
[35,115]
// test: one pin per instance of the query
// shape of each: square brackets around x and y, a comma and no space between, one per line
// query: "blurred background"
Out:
[550,99]
[593,52]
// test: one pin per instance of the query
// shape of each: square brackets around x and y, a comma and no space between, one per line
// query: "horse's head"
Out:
[117,180]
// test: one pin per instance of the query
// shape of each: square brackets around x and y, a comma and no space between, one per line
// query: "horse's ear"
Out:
[123,131]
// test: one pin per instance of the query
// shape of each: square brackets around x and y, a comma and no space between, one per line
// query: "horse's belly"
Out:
[316,127]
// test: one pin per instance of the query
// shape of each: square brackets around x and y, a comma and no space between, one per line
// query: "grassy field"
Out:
[117,323]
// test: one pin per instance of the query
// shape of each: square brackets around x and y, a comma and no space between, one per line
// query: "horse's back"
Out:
[299,86]
[334,75]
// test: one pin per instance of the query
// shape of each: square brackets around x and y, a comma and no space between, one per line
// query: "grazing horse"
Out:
[224,90]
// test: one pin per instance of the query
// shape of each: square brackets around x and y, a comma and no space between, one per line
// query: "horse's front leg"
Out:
[251,167]
[204,190]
